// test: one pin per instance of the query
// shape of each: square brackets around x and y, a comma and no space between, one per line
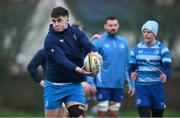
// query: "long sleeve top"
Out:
[149,62]
[114,51]
[65,51]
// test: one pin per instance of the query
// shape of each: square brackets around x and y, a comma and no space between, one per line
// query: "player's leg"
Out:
[157,113]
[158,100]
[52,113]
[59,112]
[102,107]
[114,109]
[63,111]
[143,103]
[76,109]
[75,101]
[87,92]
[115,102]
[87,89]
[52,102]
[103,97]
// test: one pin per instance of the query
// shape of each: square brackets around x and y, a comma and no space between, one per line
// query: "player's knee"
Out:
[103,105]
[115,107]
[86,86]
[76,110]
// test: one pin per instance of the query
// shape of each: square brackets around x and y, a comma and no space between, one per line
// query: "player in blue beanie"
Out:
[150,65]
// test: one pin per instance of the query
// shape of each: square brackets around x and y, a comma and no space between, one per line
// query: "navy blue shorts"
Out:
[110,94]
[150,95]
[55,95]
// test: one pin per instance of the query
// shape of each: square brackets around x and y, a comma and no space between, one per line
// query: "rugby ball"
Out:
[92,63]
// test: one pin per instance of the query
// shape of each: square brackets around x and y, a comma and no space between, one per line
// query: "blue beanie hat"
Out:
[151,25]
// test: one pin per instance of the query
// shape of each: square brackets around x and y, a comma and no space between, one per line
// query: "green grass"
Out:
[167,113]
[20,114]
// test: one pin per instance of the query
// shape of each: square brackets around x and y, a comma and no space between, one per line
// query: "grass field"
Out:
[168,113]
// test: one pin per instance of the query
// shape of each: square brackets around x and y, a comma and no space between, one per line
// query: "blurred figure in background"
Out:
[78,25]
[39,60]
[110,80]
[96,36]
[150,65]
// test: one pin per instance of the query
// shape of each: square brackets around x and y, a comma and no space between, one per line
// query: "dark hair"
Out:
[110,18]
[59,11]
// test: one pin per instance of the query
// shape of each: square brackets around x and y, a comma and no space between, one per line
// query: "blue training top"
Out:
[65,51]
[150,61]
[114,51]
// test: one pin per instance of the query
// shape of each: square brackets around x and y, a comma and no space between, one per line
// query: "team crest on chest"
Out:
[156,51]
[106,45]
[121,46]
[52,50]
[61,40]
[140,51]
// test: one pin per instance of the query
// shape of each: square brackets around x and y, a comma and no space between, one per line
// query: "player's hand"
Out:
[163,77]
[42,83]
[93,90]
[93,74]
[131,92]
[133,75]
[83,71]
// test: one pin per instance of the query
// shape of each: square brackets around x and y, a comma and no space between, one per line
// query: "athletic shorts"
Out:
[110,94]
[55,95]
[150,95]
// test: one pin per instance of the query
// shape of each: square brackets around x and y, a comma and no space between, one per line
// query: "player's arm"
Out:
[56,54]
[83,71]
[37,60]
[85,43]
[166,69]
[132,64]
[166,63]
[132,71]
[131,85]
[131,82]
